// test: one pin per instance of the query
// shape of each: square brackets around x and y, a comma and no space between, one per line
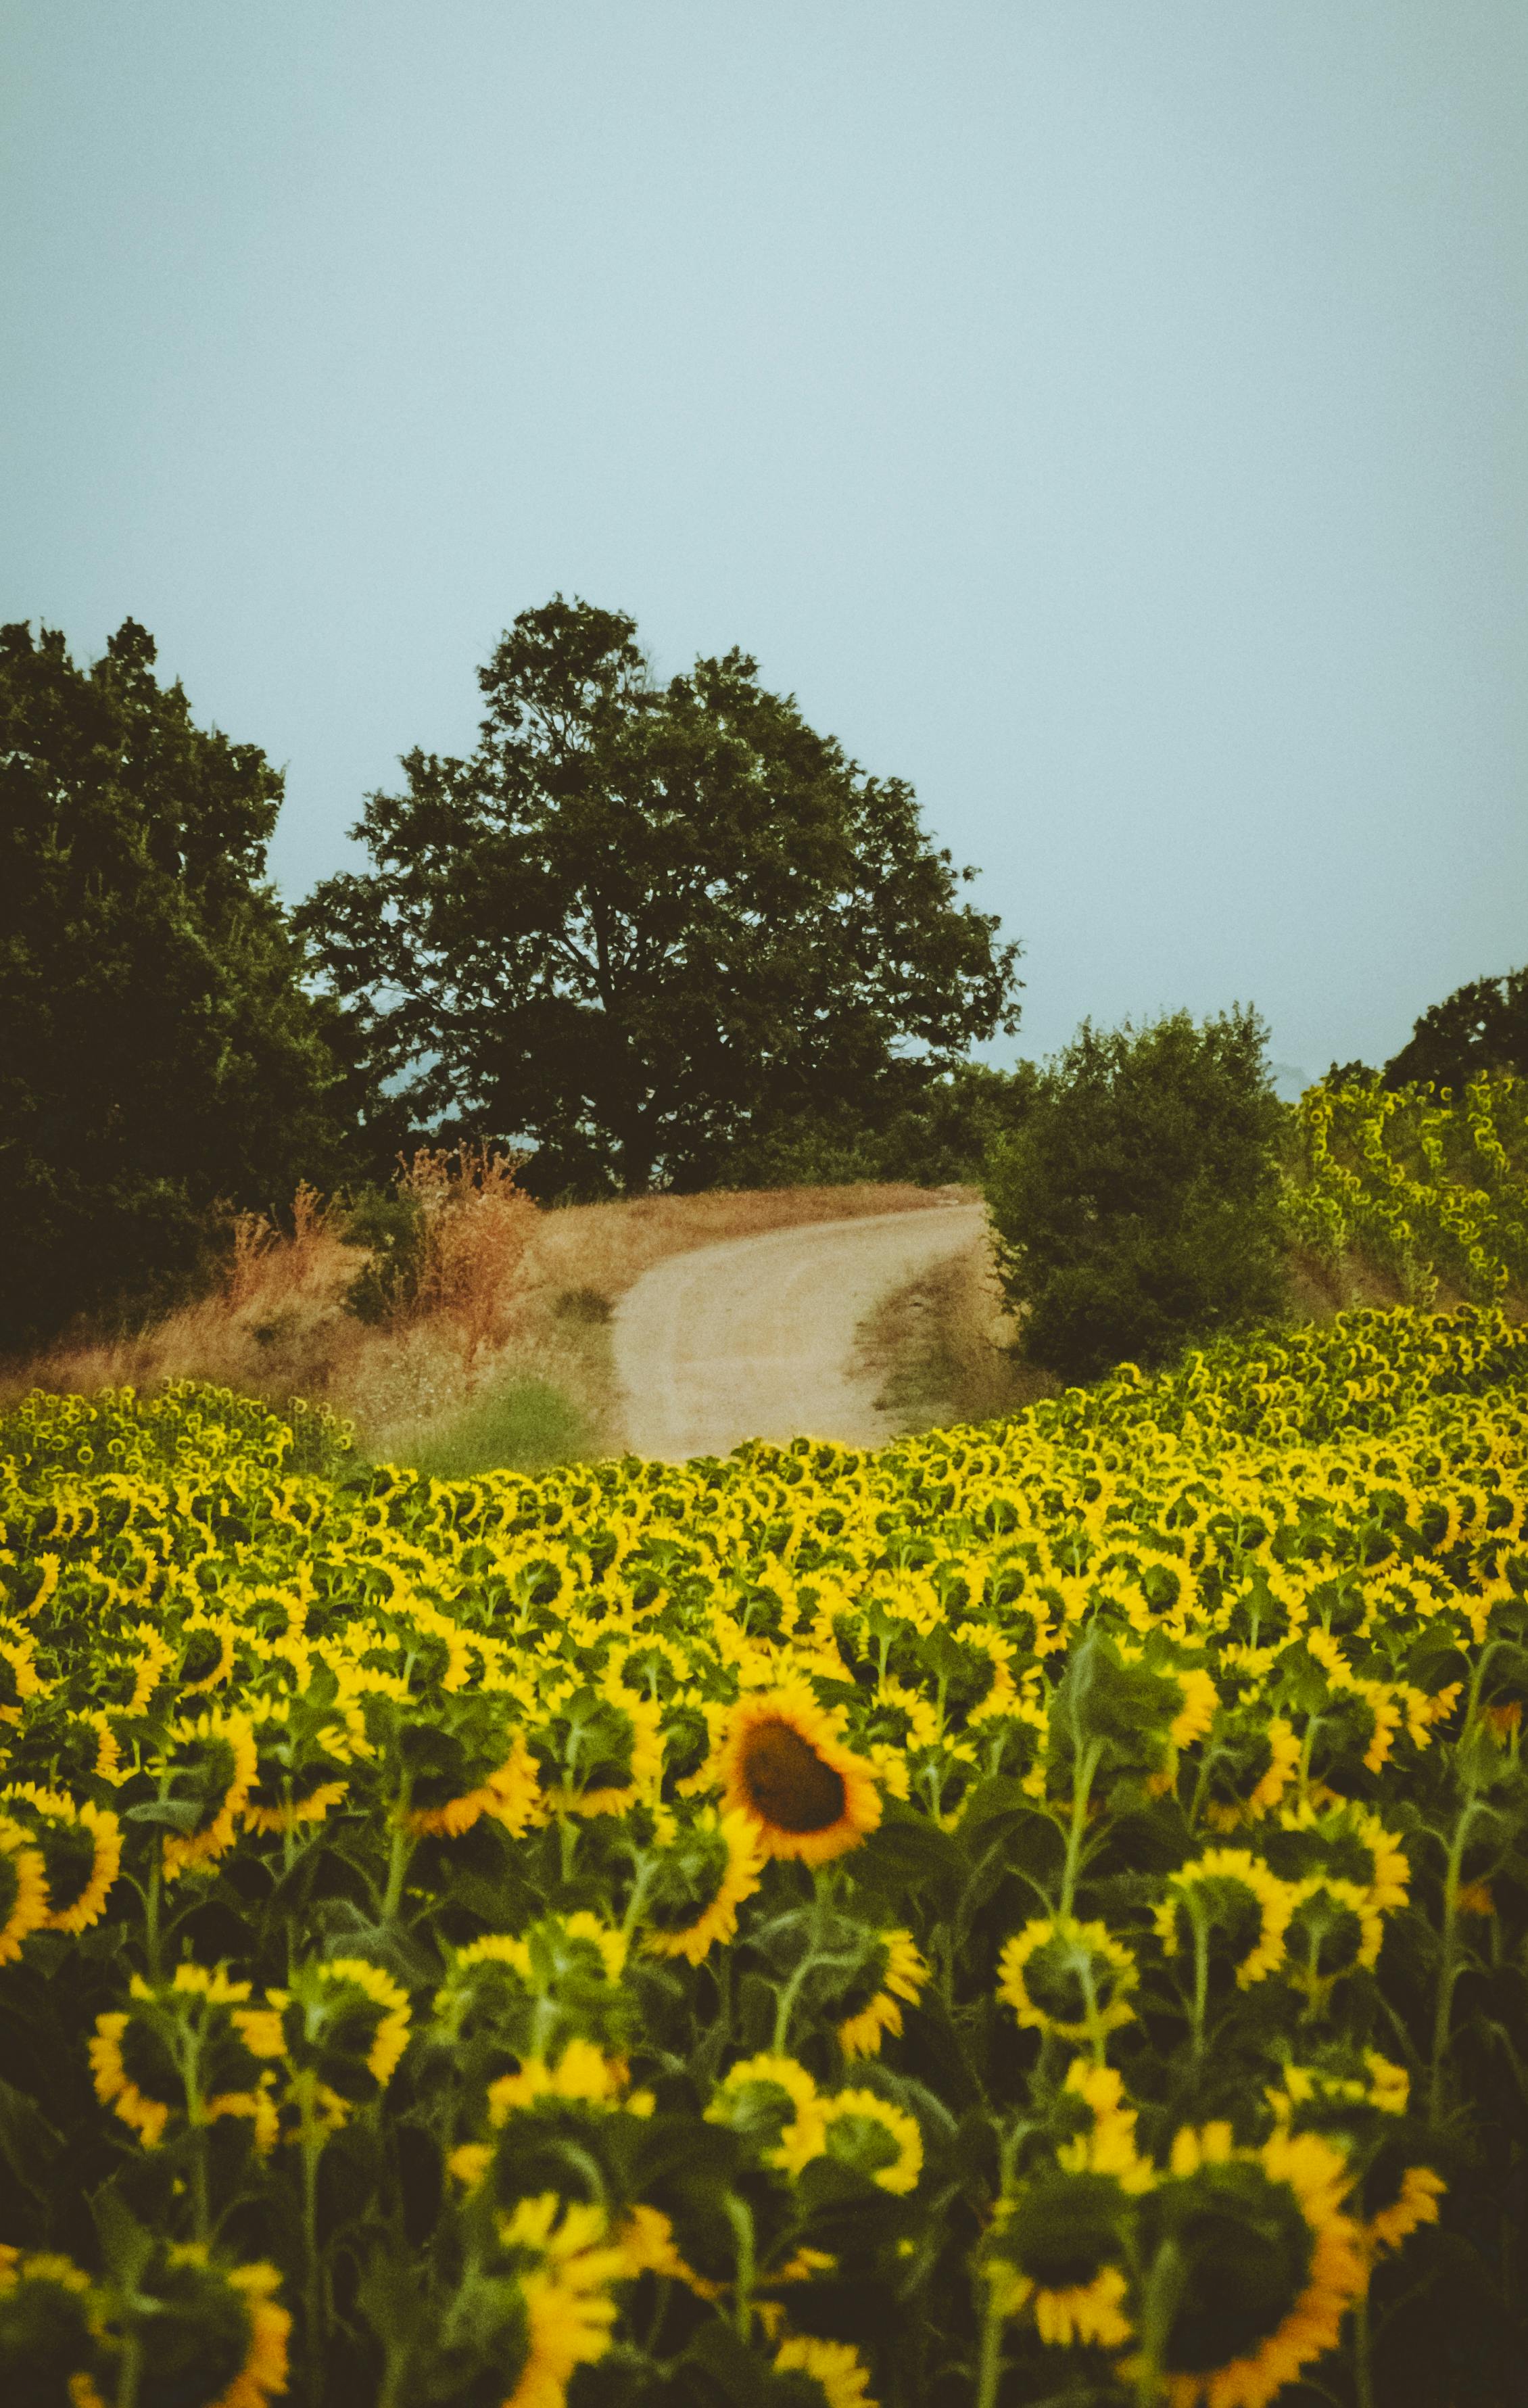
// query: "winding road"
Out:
[755,1338]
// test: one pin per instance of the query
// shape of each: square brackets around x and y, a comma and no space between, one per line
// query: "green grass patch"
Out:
[528,1425]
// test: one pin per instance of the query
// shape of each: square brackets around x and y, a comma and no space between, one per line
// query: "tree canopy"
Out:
[1137,1205]
[643,922]
[161,1054]
[1481,1027]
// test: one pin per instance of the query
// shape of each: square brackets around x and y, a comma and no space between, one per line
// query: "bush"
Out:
[1138,1207]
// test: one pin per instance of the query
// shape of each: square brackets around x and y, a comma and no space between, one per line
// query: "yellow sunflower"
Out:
[783,1763]
[1270,2263]
[1071,1978]
[775,2102]
[903,1975]
[570,2266]
[1415,2203]
[217,1752]
[344,2025]
[1232,1906]
[701,1881]
[23,1888]
[865,2132]
[509,1793]
[839,2371]
[1334,1929]
[50,2329]
[209,2312]
[81,1848]
[191,2046]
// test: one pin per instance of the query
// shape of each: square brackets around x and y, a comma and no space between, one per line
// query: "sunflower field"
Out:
[1427,1184]
[1035,1915]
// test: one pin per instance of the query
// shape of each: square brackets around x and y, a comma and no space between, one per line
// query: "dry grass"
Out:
[510,1299]
[946,1347]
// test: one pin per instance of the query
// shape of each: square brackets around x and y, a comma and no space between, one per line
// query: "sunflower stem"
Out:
[151,1910]
[312,2149]
[1081,1787]
[740,2217]
[990,2366]
[1448,1965]
[400,1859]
[1363,2365]
[1201,1979]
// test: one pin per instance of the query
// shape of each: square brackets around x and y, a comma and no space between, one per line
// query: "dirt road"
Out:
[755,1338]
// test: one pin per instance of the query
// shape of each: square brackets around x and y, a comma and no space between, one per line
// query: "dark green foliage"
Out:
[160,1055]
[390,1223]
[640,922]
[931,1128]
[1138,1207]
[1481,1027]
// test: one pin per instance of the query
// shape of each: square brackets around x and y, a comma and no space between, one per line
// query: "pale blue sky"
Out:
[1112,417]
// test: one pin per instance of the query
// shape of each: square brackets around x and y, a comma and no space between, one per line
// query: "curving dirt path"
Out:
[754,1338]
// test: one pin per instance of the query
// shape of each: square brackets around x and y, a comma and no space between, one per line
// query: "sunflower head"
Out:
[205,2332]
[1057,2248]
[774,2104]
[23,1888]
[208,1762]
[51,2345]
[344,2025]
[529,1993]
[81,1850]
[464,1761]
[783,1764]
[1248,1769]
[1334,1929]
[1267,2262]
[597,1750]
[1232,1908]
[876,2139]
[1066,1977]
[697,1883]
[190,2048]
[810,2373]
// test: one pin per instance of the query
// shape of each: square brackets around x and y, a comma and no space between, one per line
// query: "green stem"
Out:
[1164,2289]
[1081,1787]
[397,1872]
[1201,1979]
[1448,1966]
[131,2373]
[312,2148]
[989,2367]
[1362,2368]
[150,1912]
[740,2217]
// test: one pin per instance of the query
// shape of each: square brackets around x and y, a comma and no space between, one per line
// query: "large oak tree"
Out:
[643,919]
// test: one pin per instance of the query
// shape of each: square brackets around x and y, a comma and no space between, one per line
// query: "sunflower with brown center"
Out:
[783,1763]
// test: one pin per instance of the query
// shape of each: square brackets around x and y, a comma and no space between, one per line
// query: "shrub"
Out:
[1138,1207]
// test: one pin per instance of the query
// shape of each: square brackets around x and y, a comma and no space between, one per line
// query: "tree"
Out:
[641,921]
[1138,1207]
[161,1054]
[1481,1027]
[934,1129]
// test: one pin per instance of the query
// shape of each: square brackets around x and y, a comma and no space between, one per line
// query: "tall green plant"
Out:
[161,1054]
[1138,1207]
